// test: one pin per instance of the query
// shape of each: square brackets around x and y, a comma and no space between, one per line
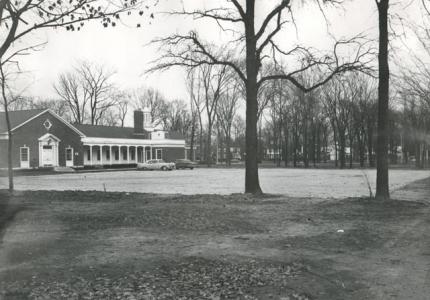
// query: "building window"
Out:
[158,154]
[107,154]
[69,154]
[99,153]
[132,155]
[89,154]
[24,154]
[116,154]
[124,154]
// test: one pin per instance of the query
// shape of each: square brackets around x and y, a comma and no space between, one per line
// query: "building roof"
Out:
[174,135]
[17,117]
[111,132]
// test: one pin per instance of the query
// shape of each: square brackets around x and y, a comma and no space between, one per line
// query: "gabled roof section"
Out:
[111,132]
[18,117]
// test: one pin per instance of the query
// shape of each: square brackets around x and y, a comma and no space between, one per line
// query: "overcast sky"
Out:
[123,47]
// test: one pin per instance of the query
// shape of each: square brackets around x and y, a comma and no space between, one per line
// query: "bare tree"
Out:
[151,99]
[7,100]
[116,114]
[190,50]
[213,81]
[96,82]
[87,91]
[226,112]
[194,84]
[382,184]
[71,92]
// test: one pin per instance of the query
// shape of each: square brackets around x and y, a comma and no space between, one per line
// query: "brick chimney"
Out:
[138,122]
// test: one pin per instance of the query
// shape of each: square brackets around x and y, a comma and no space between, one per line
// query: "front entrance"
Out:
[48,150]
[47,155]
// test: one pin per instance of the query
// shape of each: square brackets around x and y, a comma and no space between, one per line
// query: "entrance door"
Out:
[24,157]
[47,155]
[69,157]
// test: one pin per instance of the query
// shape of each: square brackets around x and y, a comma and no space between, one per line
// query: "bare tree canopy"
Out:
[88,92]
[253,45]
[20,18]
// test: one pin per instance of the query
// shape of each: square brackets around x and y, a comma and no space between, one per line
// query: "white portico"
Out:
[104,145]
[102,151]
[48,150]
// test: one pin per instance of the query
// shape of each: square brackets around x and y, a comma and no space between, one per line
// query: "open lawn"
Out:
[95,245]
[322,183]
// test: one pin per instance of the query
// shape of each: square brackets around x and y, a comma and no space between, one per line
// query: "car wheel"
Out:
[163,168]
[191,168]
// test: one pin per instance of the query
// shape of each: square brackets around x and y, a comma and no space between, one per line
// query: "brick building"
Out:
[41,138]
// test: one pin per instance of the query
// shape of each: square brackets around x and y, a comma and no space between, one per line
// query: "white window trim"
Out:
[69,163]
[27,163]
[156,153]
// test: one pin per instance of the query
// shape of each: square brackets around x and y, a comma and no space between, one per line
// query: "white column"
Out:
[135,154]
[110,154]
[91,155]
[128,154]
[101,154]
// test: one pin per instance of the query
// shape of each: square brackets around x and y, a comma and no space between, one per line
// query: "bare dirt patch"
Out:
[95,245]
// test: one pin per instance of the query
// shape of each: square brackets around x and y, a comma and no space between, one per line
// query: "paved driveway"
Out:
[293,182]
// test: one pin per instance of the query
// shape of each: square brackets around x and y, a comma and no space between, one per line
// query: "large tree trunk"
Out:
[252,183]
[382,185]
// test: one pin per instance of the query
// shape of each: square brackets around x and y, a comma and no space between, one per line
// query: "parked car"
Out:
[156,164]
[185,164]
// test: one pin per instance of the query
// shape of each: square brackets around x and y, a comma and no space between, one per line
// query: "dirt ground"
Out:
[95,245]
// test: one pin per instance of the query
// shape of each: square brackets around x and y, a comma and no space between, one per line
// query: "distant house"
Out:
[41,138]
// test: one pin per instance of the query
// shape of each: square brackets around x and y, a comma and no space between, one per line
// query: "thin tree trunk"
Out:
[208,145]
[228,152]
[201,140]
[193,132]
[9,132]
[382,183]
[286,145]
[370,145]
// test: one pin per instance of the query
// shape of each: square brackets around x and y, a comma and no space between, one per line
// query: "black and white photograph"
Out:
[215,149]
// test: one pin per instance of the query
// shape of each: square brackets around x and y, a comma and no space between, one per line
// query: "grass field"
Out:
[320,183]
[95,245]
